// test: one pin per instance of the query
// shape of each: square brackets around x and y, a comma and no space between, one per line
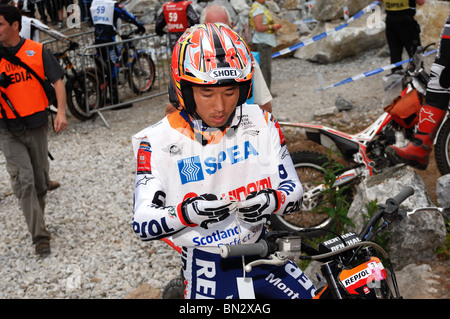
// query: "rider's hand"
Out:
[204,210]
[258,206]
[141,29]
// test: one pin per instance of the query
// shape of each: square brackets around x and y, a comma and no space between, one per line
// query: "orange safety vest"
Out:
[25,92]
[175,16]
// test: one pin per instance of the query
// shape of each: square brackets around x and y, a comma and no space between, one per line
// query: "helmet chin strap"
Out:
[229,133]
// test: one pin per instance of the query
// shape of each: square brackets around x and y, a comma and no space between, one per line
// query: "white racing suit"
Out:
[172,166]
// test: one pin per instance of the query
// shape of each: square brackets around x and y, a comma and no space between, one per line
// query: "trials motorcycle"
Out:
[364,150]
[352,266]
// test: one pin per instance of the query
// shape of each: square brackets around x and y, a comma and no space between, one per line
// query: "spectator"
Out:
[23,122]
[263,39]
[177,15]
[106,15]
[402,30]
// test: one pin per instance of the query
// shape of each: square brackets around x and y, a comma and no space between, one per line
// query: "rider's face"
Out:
[215,104]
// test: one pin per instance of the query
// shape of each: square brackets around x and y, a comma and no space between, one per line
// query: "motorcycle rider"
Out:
[432,113]
[213,172]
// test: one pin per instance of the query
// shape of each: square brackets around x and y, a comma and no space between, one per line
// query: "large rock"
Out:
[414,238]
[417,282]
[443,193]
[359,36]
[325,10]
[145,10]
[431,18]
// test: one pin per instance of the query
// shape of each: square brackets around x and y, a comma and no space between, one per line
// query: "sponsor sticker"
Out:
[190,170]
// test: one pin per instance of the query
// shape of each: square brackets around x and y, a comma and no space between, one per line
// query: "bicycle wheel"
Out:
[442,149]
[142,73]
[310,169]
[77,87]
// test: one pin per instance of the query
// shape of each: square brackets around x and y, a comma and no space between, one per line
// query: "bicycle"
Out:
[128,65]
[79,85]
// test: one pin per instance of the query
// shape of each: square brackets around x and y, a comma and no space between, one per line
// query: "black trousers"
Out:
[402,32]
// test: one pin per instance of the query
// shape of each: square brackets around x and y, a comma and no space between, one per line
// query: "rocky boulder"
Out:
[431,18]
[325,10]
[411,239]
[354,39]
[443,194]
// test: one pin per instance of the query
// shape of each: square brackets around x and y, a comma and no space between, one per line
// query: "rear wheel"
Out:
[142,73]
[310,169]
[81,89]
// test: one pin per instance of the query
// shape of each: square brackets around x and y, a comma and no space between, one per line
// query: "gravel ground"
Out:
[95,253]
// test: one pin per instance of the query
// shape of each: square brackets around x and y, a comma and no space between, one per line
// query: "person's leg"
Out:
[265,61]
[395,43]
[410,35]
[20,167]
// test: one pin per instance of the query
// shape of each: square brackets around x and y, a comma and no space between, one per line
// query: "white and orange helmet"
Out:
[210,54]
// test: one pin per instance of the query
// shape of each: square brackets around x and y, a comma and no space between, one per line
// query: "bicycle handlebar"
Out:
[72,46]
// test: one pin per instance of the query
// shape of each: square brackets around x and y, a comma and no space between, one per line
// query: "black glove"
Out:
[141,29]
[258,206]
[205,209]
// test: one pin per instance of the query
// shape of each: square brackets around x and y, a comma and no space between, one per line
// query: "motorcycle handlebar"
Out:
[260,248]
[401,197]
[388,211]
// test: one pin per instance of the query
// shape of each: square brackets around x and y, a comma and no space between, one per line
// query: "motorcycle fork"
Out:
[327,272]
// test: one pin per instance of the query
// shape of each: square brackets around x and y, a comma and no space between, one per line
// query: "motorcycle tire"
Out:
[442,149]
[174,289]
[310,169]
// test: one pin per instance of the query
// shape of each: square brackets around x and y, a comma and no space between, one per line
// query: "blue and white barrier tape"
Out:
[318,37]
[370,73]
